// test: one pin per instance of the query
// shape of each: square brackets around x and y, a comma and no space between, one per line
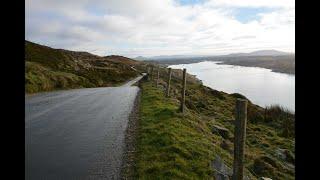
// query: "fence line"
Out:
[239,131]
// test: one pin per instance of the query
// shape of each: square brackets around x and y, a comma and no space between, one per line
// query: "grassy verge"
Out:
[170,145]
[175,146]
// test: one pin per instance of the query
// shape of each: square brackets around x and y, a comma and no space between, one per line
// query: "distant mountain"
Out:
[271,59]
[140,58]
[254,53]
[261,53]
[173,56]
[167,57]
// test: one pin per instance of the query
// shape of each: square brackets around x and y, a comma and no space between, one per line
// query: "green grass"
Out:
[173,146]
[48,69]
[170,145]
[39,78]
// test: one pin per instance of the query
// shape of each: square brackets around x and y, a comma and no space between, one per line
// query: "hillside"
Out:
[283,64]
[171,145]
[49,69]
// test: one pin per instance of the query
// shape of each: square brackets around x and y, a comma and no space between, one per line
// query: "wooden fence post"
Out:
[239,138]
[168,84]
[158,75]
[183,93]
[148,73]
[151,72]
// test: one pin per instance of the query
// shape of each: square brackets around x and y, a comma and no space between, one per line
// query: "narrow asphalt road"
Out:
[77,134]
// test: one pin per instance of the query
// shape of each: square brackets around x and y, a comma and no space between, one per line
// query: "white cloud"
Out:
[158,27]
[253,3]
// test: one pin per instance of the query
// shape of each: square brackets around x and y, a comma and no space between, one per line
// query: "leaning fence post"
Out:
[239,138]
[168,84]
[151,73]
[183,93]
[158,75]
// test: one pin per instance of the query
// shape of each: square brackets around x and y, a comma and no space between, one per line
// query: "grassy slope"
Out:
[182,147]
[49,69]
[170,145]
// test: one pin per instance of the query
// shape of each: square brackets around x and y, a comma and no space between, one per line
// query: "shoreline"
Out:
[272,69]
[228,92]
[278,69]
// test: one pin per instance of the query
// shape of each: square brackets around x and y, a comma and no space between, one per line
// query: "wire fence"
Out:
[201,117]
[249,169]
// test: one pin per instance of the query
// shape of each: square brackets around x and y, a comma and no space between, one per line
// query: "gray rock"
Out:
[280,153]
[285,155]
[222,171]
[224,132]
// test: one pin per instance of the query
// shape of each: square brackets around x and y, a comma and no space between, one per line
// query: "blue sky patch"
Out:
[191,2]
[245,15]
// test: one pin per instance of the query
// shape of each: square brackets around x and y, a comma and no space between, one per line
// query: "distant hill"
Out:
[49,69]
[271,59]
[165,57]
[168,57]
[140,58]
[193,57]
[261,53]
[280,63]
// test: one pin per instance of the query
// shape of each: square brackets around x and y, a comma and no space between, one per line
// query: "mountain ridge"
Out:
[271,52]
[261,53]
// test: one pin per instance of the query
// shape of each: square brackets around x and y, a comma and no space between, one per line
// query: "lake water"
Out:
[261,86]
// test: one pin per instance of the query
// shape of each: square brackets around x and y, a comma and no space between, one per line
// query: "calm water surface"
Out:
[260,85]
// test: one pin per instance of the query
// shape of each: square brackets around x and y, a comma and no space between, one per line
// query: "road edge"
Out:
[128,160]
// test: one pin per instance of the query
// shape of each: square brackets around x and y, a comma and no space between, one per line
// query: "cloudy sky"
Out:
[162,27]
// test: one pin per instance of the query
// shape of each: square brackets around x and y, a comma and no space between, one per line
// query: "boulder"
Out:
[264,166]
[224,132]
[221,170]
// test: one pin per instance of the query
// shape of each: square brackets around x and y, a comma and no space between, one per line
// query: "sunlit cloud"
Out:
[162,27]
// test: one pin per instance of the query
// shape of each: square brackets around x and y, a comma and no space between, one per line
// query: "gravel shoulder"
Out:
[127,170]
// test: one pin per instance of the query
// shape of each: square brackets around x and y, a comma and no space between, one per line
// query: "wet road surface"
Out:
[77,134]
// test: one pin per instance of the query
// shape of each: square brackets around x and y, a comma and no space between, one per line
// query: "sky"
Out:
[162,27]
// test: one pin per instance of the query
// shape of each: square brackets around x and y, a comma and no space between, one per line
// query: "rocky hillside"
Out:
[52,69]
